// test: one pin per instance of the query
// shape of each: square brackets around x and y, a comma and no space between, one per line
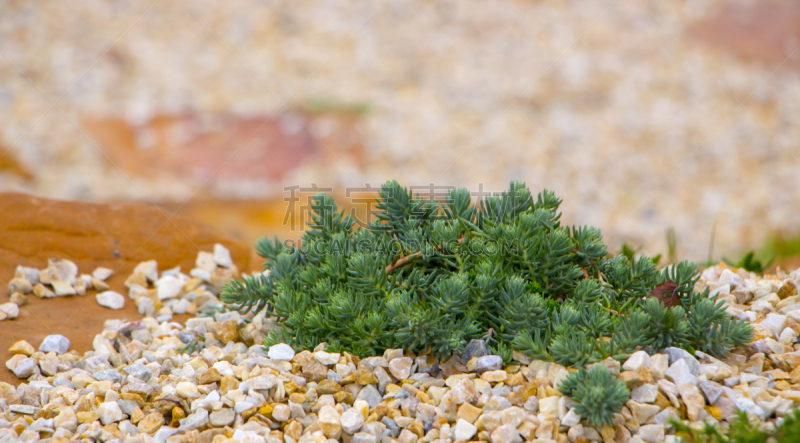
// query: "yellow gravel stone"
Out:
[468,413]
[22,347]
[87,417]
[177,416]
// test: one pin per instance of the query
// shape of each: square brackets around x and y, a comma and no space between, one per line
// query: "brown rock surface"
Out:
[114,236]
[766,32]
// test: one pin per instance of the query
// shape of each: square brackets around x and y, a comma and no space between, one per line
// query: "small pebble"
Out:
[55,343]
[111,299]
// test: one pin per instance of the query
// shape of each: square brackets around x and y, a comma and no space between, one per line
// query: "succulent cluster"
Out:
[430,276]
[597,394]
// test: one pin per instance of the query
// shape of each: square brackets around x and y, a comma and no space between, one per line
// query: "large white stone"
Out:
[281,351]
[111,299]
[711,390]
[642,411]
[187,390]
[169,287]
[205,262]
[506,434]
[146,306]
[693,399]
[652,433]
[62,288]
[401,367]
[196,420]
[330,421]
[102,273]
[748,406]
[571,418]
[352,420]
[327,358]
[679,372]
[222,256]
[55,343]
[730,278]
[549,405]
[110,412]
[775,323]
[10,309]
[636,361]
[646,393]
[787,337]
[149,268]
[464,430]
[66,270]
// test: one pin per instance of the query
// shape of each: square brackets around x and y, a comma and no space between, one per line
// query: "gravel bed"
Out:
[137,385]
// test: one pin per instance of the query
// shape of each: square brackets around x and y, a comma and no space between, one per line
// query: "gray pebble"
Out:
[139,371]
[488,363]
[55,343]
[108,374]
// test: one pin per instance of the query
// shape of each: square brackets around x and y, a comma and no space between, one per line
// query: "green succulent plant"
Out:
[742,430]
[429,277]
[597,394]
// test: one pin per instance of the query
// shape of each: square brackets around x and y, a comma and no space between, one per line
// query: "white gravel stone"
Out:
[748,406]
[181,306]
[110,412]
[22,409]
[55,343]
[149,268]
[281,413]
[327,358]
[652,433]
[506,434]
[146,306]
[30,274]
[205,262]
[222,256]
[66,270]
[19,284]
[642,411]
[531,404]
[679,372]
[223,417]
[729,278]
[187,390]
[352,420]
[571,418]
[62,288]
[24,368]
[636,361]
[693,400]
[11,309]
[111,299]
[549,405]
[677,353]
[401,367]
[364,437]
[370,395]
[711,390]
[464,430]
[102,273]
[330,421]
[664,417]
[169,287]
[196,420]
[760,306]
[774,323]
[787,337]
[646,393]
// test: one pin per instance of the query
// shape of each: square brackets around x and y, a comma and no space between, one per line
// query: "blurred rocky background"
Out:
[641,114]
